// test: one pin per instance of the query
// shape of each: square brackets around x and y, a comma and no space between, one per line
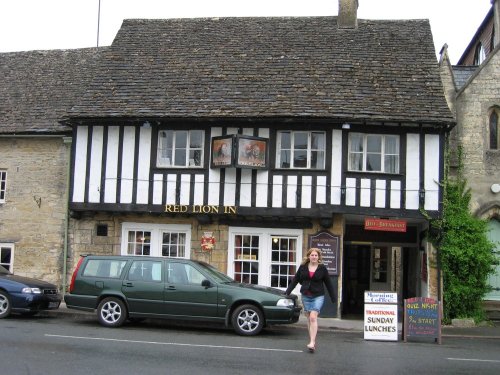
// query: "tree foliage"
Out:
[467,256]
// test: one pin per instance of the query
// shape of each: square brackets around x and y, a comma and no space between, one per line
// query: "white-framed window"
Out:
[159,240]
[373,153]
[3,185]
[268,257]
[301,149]
[7,255]
[180,148]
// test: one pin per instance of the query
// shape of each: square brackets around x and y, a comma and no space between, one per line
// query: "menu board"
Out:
[329,246]
[422,318]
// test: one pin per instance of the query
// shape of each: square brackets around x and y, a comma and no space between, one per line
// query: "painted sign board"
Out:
[329,246]
[422,318]
[381,316]
[385,225]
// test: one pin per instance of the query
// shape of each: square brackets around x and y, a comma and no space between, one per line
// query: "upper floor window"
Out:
[301,150]
[494,137]
[373,153]
[180,148]
[3,184]
[479,54]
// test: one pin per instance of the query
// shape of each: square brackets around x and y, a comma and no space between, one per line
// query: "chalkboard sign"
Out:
[329,246]
[422,318]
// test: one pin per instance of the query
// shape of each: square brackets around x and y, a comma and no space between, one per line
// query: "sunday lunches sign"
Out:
[381,316]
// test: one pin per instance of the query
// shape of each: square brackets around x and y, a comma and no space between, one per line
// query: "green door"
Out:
[494,279]
[143,286]
[184,294]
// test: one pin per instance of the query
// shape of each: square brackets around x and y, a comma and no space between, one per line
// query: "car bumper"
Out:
[35,302]
[80,302]
[282,315]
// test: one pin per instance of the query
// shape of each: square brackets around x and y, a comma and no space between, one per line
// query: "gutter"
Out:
[67,141]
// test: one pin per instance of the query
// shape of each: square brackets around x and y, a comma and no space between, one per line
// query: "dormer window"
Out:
[479,54]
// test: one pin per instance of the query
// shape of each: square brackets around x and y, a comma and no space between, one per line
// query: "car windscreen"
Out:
[215,273]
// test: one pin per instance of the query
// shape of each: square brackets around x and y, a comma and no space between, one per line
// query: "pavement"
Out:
[487,330]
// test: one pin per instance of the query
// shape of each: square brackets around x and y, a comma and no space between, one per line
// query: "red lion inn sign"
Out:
[385,225]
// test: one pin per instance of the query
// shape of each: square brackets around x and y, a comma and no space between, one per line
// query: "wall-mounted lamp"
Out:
[421,196]
[346,126]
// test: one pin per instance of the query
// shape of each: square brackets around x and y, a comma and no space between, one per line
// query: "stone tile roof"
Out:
[37,88]
[462,73]
[269,67]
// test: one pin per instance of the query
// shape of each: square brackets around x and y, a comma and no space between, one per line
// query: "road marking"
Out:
[174,343]
[473,360]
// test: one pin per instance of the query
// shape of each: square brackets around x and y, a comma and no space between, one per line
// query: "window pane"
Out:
[300,159]
[392,145]
[374,143]
[285,159]
[300,141]
[373,162]
[195,158]
[196,139]
[180,157]
[356,162]
[285,140]
[318,141]
[180,139]
[356,143]
[317,159]
[391,164]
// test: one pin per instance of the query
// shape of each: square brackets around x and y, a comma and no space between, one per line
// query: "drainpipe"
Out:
[67,141]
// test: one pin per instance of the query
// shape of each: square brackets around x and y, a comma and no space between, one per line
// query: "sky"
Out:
[64,24]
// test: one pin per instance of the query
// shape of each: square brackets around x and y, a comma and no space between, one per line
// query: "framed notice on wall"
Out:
[222,152]
[251,152]
[329,246]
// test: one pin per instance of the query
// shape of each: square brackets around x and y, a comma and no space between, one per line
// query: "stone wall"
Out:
[473,107]
[33,215]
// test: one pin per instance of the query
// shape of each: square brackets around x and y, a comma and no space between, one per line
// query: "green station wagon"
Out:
[135,287]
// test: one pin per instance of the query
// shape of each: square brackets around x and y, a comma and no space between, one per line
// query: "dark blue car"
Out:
[26,296]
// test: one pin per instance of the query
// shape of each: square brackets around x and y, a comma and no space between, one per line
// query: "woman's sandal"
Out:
[311,349]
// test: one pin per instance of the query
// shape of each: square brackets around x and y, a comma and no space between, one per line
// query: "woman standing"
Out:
[312,275]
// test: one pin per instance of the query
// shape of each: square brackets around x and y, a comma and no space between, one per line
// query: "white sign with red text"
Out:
[381,322]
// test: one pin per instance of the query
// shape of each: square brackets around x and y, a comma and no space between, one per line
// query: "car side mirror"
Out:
[206,283]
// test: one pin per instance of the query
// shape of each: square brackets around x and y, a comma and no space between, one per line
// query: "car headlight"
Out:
[285,302]
[32,291]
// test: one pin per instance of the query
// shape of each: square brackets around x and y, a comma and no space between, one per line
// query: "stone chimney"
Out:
[348,14]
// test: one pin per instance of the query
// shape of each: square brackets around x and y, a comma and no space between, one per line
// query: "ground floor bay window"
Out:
[264,256]
[156,240]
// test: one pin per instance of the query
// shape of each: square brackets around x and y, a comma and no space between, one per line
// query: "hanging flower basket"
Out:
[207,241]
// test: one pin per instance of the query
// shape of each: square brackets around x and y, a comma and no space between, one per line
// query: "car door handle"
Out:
[128,284]
[170,287]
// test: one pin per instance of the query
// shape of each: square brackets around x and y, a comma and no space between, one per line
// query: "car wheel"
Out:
[111,312]
[247,320]
[5,305]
